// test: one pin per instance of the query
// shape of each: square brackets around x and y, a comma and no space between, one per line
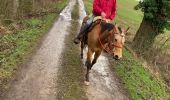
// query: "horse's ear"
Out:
[127,31]
[120,29]
[116,27]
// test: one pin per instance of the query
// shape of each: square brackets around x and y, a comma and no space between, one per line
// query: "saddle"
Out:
[85,35]
[104,26]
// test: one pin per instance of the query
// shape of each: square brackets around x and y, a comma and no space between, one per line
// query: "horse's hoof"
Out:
[86,83]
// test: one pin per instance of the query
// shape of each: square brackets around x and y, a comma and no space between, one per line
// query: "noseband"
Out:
[113,45]
[117,45]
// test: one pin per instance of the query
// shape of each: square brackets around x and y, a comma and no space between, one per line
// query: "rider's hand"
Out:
[103,15]
[108,20]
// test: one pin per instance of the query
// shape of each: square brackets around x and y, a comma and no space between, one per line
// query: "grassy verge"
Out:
[16,48]
[71,77]
[138,81]
[135,78]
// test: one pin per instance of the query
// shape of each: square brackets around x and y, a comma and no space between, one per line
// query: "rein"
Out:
[113,45]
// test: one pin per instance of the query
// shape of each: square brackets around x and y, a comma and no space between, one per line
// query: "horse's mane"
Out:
[106,26]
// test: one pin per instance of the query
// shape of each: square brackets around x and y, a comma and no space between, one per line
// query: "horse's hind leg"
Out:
[88,64]
[96,56]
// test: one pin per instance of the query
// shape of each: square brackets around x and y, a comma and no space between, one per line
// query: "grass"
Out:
[135,78]
[167,32]
[16,48]
[127,16]
[138,81]
[71,77]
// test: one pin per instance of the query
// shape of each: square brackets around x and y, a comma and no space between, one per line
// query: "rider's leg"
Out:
[86,25]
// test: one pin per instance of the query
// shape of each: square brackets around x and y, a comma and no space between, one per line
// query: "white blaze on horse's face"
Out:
[119,40]
[118,45]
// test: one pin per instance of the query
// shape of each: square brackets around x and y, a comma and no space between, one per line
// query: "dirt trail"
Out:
[103,83]
[37,80]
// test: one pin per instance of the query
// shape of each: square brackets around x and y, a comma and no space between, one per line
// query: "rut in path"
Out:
[37,80]
[103,83]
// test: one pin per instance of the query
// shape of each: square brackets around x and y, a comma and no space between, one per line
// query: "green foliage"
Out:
[33,23]
[15,48]
[156,12]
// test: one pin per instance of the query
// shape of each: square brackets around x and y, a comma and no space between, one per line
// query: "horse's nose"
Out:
[116,57]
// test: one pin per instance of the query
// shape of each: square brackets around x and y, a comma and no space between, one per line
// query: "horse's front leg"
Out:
[88,64]
[96,56]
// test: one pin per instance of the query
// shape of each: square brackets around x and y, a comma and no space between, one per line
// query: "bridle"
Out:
[113,45]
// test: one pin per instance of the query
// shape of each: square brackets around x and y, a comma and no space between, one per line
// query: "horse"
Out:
[99,36]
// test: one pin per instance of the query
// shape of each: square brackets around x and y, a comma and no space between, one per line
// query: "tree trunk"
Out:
[5,9]
[144,38]
[15,8]
[25,7]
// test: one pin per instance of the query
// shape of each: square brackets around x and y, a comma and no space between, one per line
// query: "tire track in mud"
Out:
[104,85]
[37,80]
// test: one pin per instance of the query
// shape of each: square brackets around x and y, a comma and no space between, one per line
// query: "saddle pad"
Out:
[100,18]
[97,18]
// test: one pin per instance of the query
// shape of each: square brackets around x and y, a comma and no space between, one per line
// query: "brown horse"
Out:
[98,36]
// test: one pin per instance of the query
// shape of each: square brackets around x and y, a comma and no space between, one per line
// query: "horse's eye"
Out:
[115,40]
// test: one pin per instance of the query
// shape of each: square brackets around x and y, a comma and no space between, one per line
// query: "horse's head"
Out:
[118,41]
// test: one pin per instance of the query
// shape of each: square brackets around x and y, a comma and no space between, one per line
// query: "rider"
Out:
[104,8]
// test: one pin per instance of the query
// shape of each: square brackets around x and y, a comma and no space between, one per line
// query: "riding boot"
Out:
[81,33]
[83,29]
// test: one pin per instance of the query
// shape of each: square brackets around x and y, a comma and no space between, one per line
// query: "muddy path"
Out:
[104,85]
[37,80]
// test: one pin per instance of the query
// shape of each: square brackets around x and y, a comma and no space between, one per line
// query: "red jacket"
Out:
[106,6]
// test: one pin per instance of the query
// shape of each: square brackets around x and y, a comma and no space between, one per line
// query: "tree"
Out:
[15,8]
[155,20]
[5,8]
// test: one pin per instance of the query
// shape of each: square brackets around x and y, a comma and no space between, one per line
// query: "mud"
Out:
[37,80]
[104,85]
